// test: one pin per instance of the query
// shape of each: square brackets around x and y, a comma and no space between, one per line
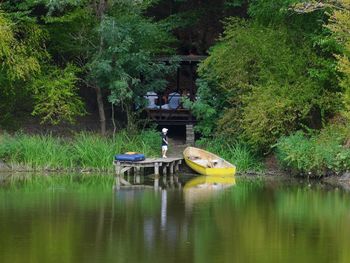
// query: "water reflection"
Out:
[203,188]
[254,221]
[172,198]
[158,183]
[162,228]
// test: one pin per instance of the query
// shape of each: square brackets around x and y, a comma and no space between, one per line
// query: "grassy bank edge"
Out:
[85,152]
[88,152]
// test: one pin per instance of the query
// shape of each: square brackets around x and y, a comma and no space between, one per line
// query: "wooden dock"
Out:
[166,165]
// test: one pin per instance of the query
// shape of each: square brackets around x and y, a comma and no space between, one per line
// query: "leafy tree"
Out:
[25,62]
[20,59]
[126,64]
[265,83]
[116,47]
[340,26]
[55,95]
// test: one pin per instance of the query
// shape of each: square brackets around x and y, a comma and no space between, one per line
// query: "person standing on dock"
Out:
[164,142]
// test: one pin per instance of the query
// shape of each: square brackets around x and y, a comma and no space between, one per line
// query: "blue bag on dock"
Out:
[130,157]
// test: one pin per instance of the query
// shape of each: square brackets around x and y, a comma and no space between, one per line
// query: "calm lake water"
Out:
[78,219]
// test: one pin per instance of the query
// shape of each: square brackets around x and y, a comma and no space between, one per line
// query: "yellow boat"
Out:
[207,163]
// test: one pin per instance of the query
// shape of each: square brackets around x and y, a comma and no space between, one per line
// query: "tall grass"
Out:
[84,151]
[96,151]
[238,154]
[35,151]
[93,151]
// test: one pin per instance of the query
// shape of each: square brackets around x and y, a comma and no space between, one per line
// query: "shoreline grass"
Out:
[85,151]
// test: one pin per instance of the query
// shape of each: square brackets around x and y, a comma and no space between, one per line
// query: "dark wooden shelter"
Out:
[180,115]
[183,83]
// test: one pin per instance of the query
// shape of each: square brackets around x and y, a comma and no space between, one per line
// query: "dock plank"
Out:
[156,163]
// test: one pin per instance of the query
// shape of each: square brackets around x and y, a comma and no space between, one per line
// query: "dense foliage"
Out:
[111,42]
[27,70]
[318,153]
[339,25]
[268,77]
[326,152]
[125,65]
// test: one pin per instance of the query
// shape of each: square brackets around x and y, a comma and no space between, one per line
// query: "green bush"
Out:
[85,150]
[321,153]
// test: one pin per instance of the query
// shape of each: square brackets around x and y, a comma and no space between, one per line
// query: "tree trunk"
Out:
[101,110]
[130,116]
[100,11]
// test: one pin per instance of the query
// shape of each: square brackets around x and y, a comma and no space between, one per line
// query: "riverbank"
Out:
[90,178]
[82,152]
[271,177]
[90,152]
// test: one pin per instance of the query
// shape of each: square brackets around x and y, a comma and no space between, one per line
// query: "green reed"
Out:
[35,151]
[83,151]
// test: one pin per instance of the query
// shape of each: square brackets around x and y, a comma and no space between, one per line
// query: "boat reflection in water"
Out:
[203,188]
[195,189]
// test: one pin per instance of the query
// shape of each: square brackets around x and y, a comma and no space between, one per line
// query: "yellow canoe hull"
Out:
[220,171]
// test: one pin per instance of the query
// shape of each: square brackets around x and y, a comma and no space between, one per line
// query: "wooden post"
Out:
[189,134]
[138,179]
[117,182]
[128,174]
[172,168]
[118,168]
[177,166]
[156,183]
[165,181]
[164,169]
[137,172]
[156,168]
[171,182]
